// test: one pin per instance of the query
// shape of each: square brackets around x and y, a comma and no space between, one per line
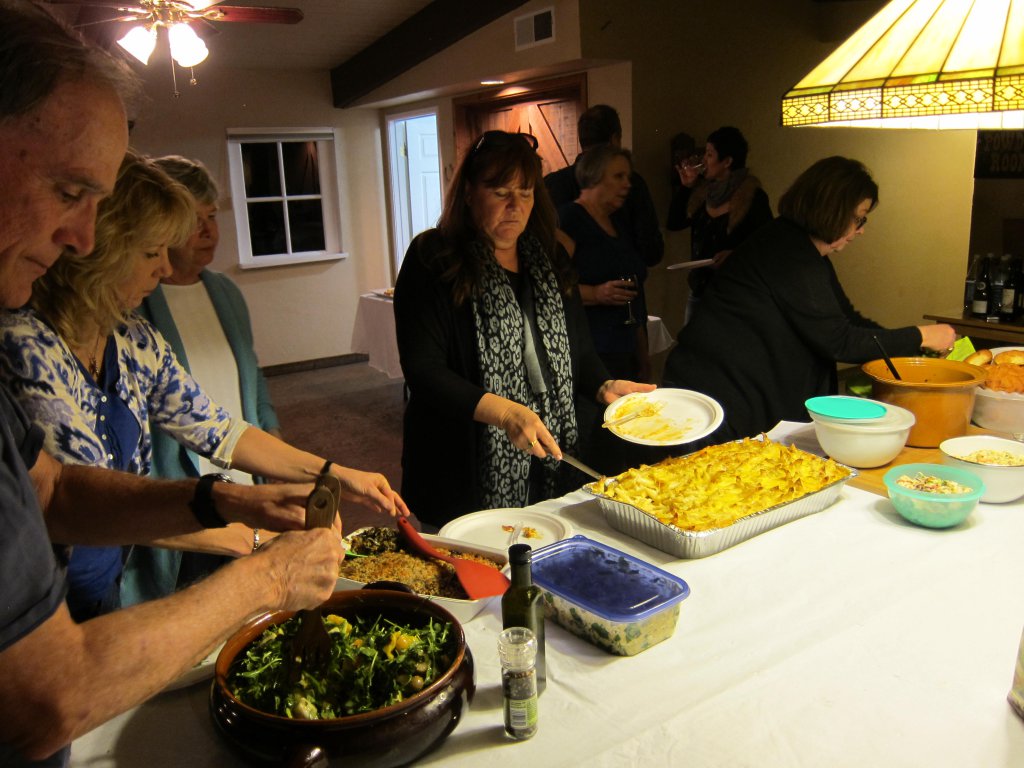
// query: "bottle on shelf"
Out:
[1008,302]
[972,276]
[1019,311]
[979,304]
[996,281]
[521,605]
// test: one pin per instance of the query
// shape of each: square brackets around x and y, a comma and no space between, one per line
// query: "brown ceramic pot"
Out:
[940,393]
[391,736]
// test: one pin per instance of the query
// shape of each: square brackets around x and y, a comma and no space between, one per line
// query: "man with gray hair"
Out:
[63,134]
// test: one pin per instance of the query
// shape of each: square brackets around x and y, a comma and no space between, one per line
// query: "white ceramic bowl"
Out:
[1002,483]
[865,444]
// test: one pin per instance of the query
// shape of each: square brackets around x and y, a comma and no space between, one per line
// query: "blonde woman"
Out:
[97,377]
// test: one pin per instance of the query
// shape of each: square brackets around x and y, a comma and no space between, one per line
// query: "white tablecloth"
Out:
[658,337]
[374,334]
[848,638]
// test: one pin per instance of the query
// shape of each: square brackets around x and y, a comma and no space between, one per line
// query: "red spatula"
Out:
[477,579]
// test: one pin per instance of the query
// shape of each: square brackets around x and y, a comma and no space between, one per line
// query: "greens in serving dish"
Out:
[374,663]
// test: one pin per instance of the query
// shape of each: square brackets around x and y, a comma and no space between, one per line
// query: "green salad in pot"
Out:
[374,663]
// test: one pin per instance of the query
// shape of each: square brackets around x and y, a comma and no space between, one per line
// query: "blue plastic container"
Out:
[611,599]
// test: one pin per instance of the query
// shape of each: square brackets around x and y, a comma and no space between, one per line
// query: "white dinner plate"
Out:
[384,293]
[690,264]
[494,527]
[201,671]
[682,417]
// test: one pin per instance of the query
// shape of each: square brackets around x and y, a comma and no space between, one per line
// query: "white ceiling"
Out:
[331,32]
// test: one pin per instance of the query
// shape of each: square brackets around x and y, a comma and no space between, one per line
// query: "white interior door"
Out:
[415,178]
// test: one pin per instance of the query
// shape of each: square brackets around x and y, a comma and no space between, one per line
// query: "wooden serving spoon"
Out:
[477,579]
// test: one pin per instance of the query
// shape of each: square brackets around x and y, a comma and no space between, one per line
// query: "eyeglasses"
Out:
[499,138]
[860,221]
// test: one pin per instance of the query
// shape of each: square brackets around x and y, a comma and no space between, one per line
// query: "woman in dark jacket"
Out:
[493,343]
[775,320]
[722,208]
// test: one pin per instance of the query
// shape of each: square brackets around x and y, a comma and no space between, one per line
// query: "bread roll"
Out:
[1014,356]
[981,357]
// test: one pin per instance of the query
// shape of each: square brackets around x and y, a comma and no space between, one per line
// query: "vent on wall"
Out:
[535,29]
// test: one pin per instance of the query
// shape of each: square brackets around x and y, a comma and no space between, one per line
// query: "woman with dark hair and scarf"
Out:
[493,342]
[722,209]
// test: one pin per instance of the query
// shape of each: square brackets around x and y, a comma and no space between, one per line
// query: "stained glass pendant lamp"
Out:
[921,64]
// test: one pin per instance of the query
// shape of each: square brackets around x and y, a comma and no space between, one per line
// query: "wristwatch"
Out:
[202,501]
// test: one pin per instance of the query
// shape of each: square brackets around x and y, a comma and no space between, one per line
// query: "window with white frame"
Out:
[284,191]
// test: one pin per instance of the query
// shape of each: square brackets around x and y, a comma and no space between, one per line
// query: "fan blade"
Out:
[101,4]
[253,13]
[80,25]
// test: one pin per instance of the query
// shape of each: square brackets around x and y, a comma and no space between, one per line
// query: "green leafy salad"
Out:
[374,663]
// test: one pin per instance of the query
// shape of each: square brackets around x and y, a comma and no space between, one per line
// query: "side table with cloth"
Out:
[847,638]
[374,334]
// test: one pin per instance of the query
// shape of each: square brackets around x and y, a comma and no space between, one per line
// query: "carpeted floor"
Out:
[351,414]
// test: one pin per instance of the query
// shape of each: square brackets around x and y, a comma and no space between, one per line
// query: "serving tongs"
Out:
[310,647]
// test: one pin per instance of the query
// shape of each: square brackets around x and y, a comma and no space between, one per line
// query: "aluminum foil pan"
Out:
[693,544]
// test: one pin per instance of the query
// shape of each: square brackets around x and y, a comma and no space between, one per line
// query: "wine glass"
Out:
[631,319]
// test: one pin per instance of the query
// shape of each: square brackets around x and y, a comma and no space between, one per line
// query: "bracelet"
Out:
[202,504]
[256,543]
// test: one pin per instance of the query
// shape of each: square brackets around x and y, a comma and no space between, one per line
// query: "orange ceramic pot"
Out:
[940,393]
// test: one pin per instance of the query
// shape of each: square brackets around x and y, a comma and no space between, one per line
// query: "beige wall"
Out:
[300,312]
[668,66]
[697,66]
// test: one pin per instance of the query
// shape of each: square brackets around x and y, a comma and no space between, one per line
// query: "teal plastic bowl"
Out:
[934,510]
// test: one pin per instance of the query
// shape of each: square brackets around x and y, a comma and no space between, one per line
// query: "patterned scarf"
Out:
[501,347]
[720,191]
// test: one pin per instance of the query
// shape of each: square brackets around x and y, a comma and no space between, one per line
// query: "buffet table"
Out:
[847,638]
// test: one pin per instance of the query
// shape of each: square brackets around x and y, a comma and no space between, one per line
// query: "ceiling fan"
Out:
[178,18]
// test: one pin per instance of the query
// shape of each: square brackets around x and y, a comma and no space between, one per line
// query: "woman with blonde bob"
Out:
[97,377]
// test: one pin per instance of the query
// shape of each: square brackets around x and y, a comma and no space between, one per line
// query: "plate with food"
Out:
[384,293]
[378,554]
[496,528]
[665,416]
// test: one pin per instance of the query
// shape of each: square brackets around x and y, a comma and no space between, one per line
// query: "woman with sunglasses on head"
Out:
[493,342]
[98,379]
[775,321]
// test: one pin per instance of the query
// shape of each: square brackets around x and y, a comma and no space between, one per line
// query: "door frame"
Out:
[397,187]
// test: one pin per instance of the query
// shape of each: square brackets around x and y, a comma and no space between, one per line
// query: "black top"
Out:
[770,330]
[637,219]
[598,258]
[437,347]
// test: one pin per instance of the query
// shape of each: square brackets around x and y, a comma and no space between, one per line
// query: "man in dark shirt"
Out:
[63,133]
[637,218]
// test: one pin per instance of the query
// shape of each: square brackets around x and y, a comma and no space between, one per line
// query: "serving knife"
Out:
[581,466]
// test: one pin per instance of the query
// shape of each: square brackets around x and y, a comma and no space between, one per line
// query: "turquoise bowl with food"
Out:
[933,495]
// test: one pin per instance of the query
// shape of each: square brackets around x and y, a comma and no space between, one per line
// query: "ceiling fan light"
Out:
[186,47]
[139,42]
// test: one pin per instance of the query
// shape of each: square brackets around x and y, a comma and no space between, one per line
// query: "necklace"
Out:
[94,359]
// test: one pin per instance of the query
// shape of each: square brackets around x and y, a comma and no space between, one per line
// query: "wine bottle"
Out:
[972,277]
[1008,302]
[979,304]
[521,605]
[996,280]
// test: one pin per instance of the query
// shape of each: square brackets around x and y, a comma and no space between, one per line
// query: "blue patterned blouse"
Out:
[79,423]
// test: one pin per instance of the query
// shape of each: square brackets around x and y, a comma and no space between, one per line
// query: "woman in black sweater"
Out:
[493,343]
[775,320]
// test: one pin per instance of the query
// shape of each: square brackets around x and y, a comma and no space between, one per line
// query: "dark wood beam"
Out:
[419,37]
